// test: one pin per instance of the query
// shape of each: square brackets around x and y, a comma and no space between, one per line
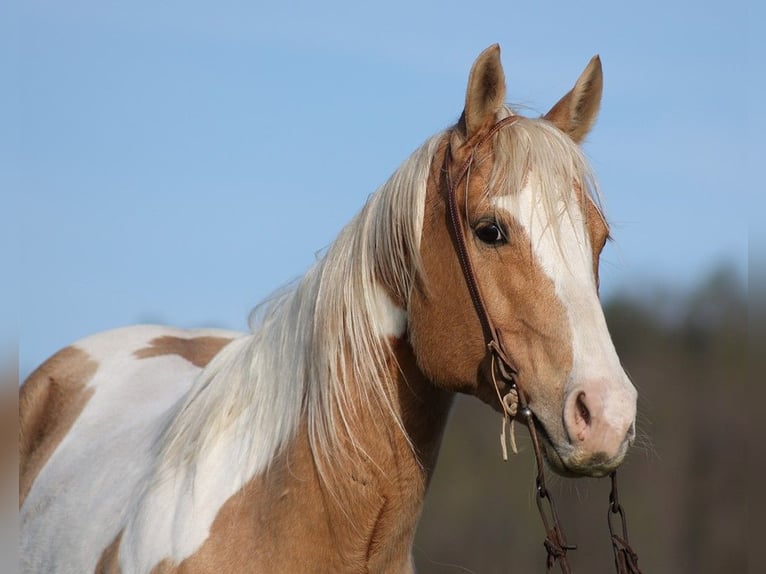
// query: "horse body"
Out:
[307,445]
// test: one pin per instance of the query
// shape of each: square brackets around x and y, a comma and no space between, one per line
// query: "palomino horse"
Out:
[307,445]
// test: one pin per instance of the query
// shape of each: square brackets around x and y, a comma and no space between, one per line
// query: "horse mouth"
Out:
[567,463]
[550,454]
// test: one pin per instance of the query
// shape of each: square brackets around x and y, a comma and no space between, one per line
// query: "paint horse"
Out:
[307,445]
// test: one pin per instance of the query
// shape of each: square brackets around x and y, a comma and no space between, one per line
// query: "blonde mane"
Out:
[313,341]
[316,349]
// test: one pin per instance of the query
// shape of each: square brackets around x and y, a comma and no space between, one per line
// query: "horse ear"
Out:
[486,91]
[576,112]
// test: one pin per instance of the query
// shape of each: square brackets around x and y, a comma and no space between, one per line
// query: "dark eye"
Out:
[491,233]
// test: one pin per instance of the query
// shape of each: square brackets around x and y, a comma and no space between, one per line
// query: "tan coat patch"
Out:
[109,562]
[598,232]
[198,350]
[50,401]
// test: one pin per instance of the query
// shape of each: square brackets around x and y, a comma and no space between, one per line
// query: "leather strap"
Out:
[492,336]
[501,366]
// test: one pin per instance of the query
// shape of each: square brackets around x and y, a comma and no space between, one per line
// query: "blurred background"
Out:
[176,162]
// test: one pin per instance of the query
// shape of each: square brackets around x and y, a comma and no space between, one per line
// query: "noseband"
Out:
[514,401]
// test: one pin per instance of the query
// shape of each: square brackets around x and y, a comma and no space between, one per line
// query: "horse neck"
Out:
[392,460]
[379,502]
[365,515]
[424,408]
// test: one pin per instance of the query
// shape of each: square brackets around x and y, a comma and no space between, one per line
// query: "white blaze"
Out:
[563,251]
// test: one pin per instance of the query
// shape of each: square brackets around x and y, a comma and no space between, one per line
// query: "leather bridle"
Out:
[492,337]
[514,401]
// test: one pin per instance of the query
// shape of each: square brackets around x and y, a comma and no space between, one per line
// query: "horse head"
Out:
[533,232]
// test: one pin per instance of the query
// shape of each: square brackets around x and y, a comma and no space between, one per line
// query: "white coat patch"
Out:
[86,492]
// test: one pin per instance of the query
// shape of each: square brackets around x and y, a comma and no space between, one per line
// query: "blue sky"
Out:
[177,161]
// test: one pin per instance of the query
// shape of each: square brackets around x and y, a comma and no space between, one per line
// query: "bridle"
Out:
[514,401]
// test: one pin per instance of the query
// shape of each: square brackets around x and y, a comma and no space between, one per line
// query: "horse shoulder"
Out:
[286,520]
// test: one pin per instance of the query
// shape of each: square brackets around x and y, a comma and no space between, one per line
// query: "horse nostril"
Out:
[582,409]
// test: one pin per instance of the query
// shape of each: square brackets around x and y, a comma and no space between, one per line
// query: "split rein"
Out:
[514,403]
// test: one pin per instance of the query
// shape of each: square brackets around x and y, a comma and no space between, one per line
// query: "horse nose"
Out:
[600,421]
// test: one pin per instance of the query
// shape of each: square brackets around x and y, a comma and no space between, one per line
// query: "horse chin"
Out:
[554,460]
[564,462]
[551,454]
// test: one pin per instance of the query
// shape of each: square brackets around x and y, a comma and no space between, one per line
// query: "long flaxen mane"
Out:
[311,342]
[315,353]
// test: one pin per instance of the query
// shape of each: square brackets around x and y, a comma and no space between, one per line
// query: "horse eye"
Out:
[491,234]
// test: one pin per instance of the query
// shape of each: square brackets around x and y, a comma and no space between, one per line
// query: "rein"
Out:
[514,402]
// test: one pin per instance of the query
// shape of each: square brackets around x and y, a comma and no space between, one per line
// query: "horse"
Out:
[308,443]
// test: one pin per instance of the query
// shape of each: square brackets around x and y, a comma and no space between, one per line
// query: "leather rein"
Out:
[514,402]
